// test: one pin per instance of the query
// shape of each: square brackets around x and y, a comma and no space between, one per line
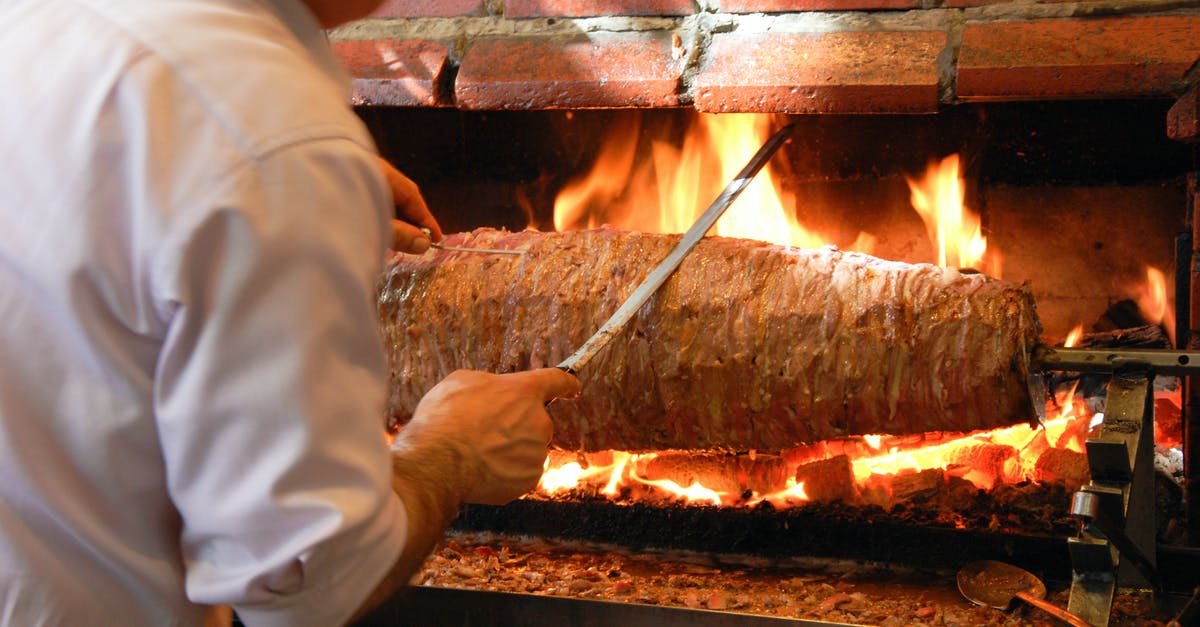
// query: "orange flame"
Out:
[1153,302]
[793,494]
[690,494]
[940,455]
[580,204]
[957,233]
[1074,336]
[1015,448]
[563,477]
[666,192]
[621,473]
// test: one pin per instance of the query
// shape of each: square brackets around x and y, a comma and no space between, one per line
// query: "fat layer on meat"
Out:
[749,345]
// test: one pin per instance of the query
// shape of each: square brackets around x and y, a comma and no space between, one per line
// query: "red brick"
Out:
[842,72]
[1071,57]
[594,8]
[776,6]
[958,4]
[430,8]
[401,72]
[1183,119]
[543,72]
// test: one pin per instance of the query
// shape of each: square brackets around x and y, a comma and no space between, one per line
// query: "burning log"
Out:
[729,474]
[888,490]
[911,485]
[748,346]
[984,458]
[1067,466]
[1029,454]
[1143,336]
[828,479]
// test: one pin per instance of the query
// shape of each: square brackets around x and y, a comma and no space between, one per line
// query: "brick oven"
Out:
[1074,125]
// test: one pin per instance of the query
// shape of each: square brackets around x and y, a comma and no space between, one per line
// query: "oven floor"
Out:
[822,590]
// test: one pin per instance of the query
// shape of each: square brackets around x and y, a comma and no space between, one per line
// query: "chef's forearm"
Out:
[431,482]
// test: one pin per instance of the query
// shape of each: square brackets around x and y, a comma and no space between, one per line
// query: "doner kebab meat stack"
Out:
[747,346]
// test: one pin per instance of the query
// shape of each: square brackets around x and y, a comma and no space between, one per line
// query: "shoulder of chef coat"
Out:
[262,67]
[257,117]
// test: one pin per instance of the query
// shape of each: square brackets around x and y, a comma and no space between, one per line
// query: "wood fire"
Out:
[879,470]
[1004,489]
[876,469]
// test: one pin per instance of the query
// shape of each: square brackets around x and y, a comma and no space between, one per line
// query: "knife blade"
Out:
[667,266]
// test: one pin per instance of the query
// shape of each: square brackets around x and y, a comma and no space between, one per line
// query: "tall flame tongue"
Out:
[1153,302]
[956,232]
[665,192]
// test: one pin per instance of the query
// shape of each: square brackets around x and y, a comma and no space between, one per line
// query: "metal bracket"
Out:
[1116,542]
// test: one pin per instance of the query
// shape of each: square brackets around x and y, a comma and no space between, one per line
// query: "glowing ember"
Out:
[1005,455]
[666,192]
[955,231]
[563,477]
[613,487]
[791,495]
[944,455]
[690,494]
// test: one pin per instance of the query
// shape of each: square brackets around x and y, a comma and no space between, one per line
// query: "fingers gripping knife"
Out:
[663,270]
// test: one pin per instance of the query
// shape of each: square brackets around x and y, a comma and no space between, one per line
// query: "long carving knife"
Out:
[663,270]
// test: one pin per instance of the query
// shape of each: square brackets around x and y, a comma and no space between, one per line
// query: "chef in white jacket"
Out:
[192,383]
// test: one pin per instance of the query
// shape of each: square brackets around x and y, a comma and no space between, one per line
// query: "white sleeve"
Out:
[270,388]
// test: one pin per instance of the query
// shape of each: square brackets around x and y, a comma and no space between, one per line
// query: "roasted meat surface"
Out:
[749,345]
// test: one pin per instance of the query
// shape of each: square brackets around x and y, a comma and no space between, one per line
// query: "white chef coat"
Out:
[191,377]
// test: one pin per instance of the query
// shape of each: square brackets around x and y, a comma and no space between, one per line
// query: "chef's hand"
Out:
[412,211]
[497,422]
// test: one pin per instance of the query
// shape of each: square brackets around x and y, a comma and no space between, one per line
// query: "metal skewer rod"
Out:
[1166,362]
